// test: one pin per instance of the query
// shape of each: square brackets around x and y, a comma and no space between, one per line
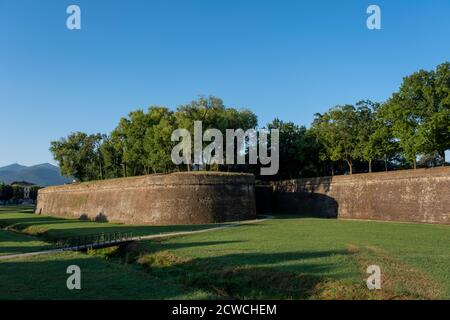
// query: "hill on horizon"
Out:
[44,174]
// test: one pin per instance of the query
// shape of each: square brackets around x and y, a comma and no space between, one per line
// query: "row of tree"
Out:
[413,125]
[141,143]
[14,193]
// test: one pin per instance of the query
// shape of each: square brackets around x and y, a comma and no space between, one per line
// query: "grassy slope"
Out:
[281,258]
[51,228]
[14,243]
[331,255]
[44,277]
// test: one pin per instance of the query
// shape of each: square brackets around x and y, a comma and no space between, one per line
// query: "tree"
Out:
[130,134]
[111,152]
[77,156]
[213,114]
[366,125]
[17,193]
[298,148]
[437,121]
[6,192]
[157,141]
[381,143]
[420,113]
[338,131]
[34,192]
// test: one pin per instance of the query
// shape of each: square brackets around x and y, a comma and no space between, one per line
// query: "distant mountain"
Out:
[43,175]
[12,168]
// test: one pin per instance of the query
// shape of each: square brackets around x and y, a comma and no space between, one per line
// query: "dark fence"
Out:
[95,241]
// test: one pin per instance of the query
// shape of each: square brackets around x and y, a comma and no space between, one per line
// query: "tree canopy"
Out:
[412,127]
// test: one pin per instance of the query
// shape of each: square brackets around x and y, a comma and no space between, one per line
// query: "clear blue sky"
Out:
[286,59]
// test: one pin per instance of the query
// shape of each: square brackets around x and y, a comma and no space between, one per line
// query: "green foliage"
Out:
[6,192]
[299,150]
[141,143]
[213,114]
[413,123]
[420,113]
[78,156]
[157,143]
[339,131]
[15,193]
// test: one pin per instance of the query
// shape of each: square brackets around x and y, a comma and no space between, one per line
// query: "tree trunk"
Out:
[442,154]
[370,165]
[350,166]
[415,163]
[385,164]
[101,170]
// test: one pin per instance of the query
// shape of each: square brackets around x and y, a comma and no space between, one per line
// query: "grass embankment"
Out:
[22,219]
[44,277]
[288,258]
[308,258]
[14,243]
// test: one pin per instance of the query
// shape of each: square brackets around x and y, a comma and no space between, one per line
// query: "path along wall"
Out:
[421,195]
[178,198]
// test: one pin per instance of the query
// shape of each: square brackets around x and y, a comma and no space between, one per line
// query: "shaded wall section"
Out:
[178,198]
[421,195]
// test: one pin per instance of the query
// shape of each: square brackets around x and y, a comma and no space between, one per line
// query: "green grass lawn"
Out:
[330,256]
[23,219]
[44,277]
[14,243]
[287,257]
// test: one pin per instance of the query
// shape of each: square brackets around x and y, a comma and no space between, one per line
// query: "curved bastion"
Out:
[177,198]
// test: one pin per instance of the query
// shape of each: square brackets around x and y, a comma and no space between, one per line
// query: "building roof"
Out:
[22,184]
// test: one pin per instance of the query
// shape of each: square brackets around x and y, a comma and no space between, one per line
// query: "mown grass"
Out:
[44,277]
[23,219]
[309,258]
[285,258]
[15,243]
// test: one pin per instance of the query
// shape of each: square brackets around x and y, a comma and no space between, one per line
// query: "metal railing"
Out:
[94,241]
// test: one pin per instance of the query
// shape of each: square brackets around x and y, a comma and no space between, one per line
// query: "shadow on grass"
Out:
[161,275]
[56,229]
[17,209]
[248,275]
[24,249]
[287,275]
[46,279]
[13,243]
[306,215]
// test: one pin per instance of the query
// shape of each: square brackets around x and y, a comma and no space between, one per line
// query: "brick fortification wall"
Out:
[178,198]
[421,195]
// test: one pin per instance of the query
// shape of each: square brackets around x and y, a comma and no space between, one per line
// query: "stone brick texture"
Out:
[178,198]
[421,195]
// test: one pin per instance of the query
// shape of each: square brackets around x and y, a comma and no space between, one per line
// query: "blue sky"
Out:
[285,59]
